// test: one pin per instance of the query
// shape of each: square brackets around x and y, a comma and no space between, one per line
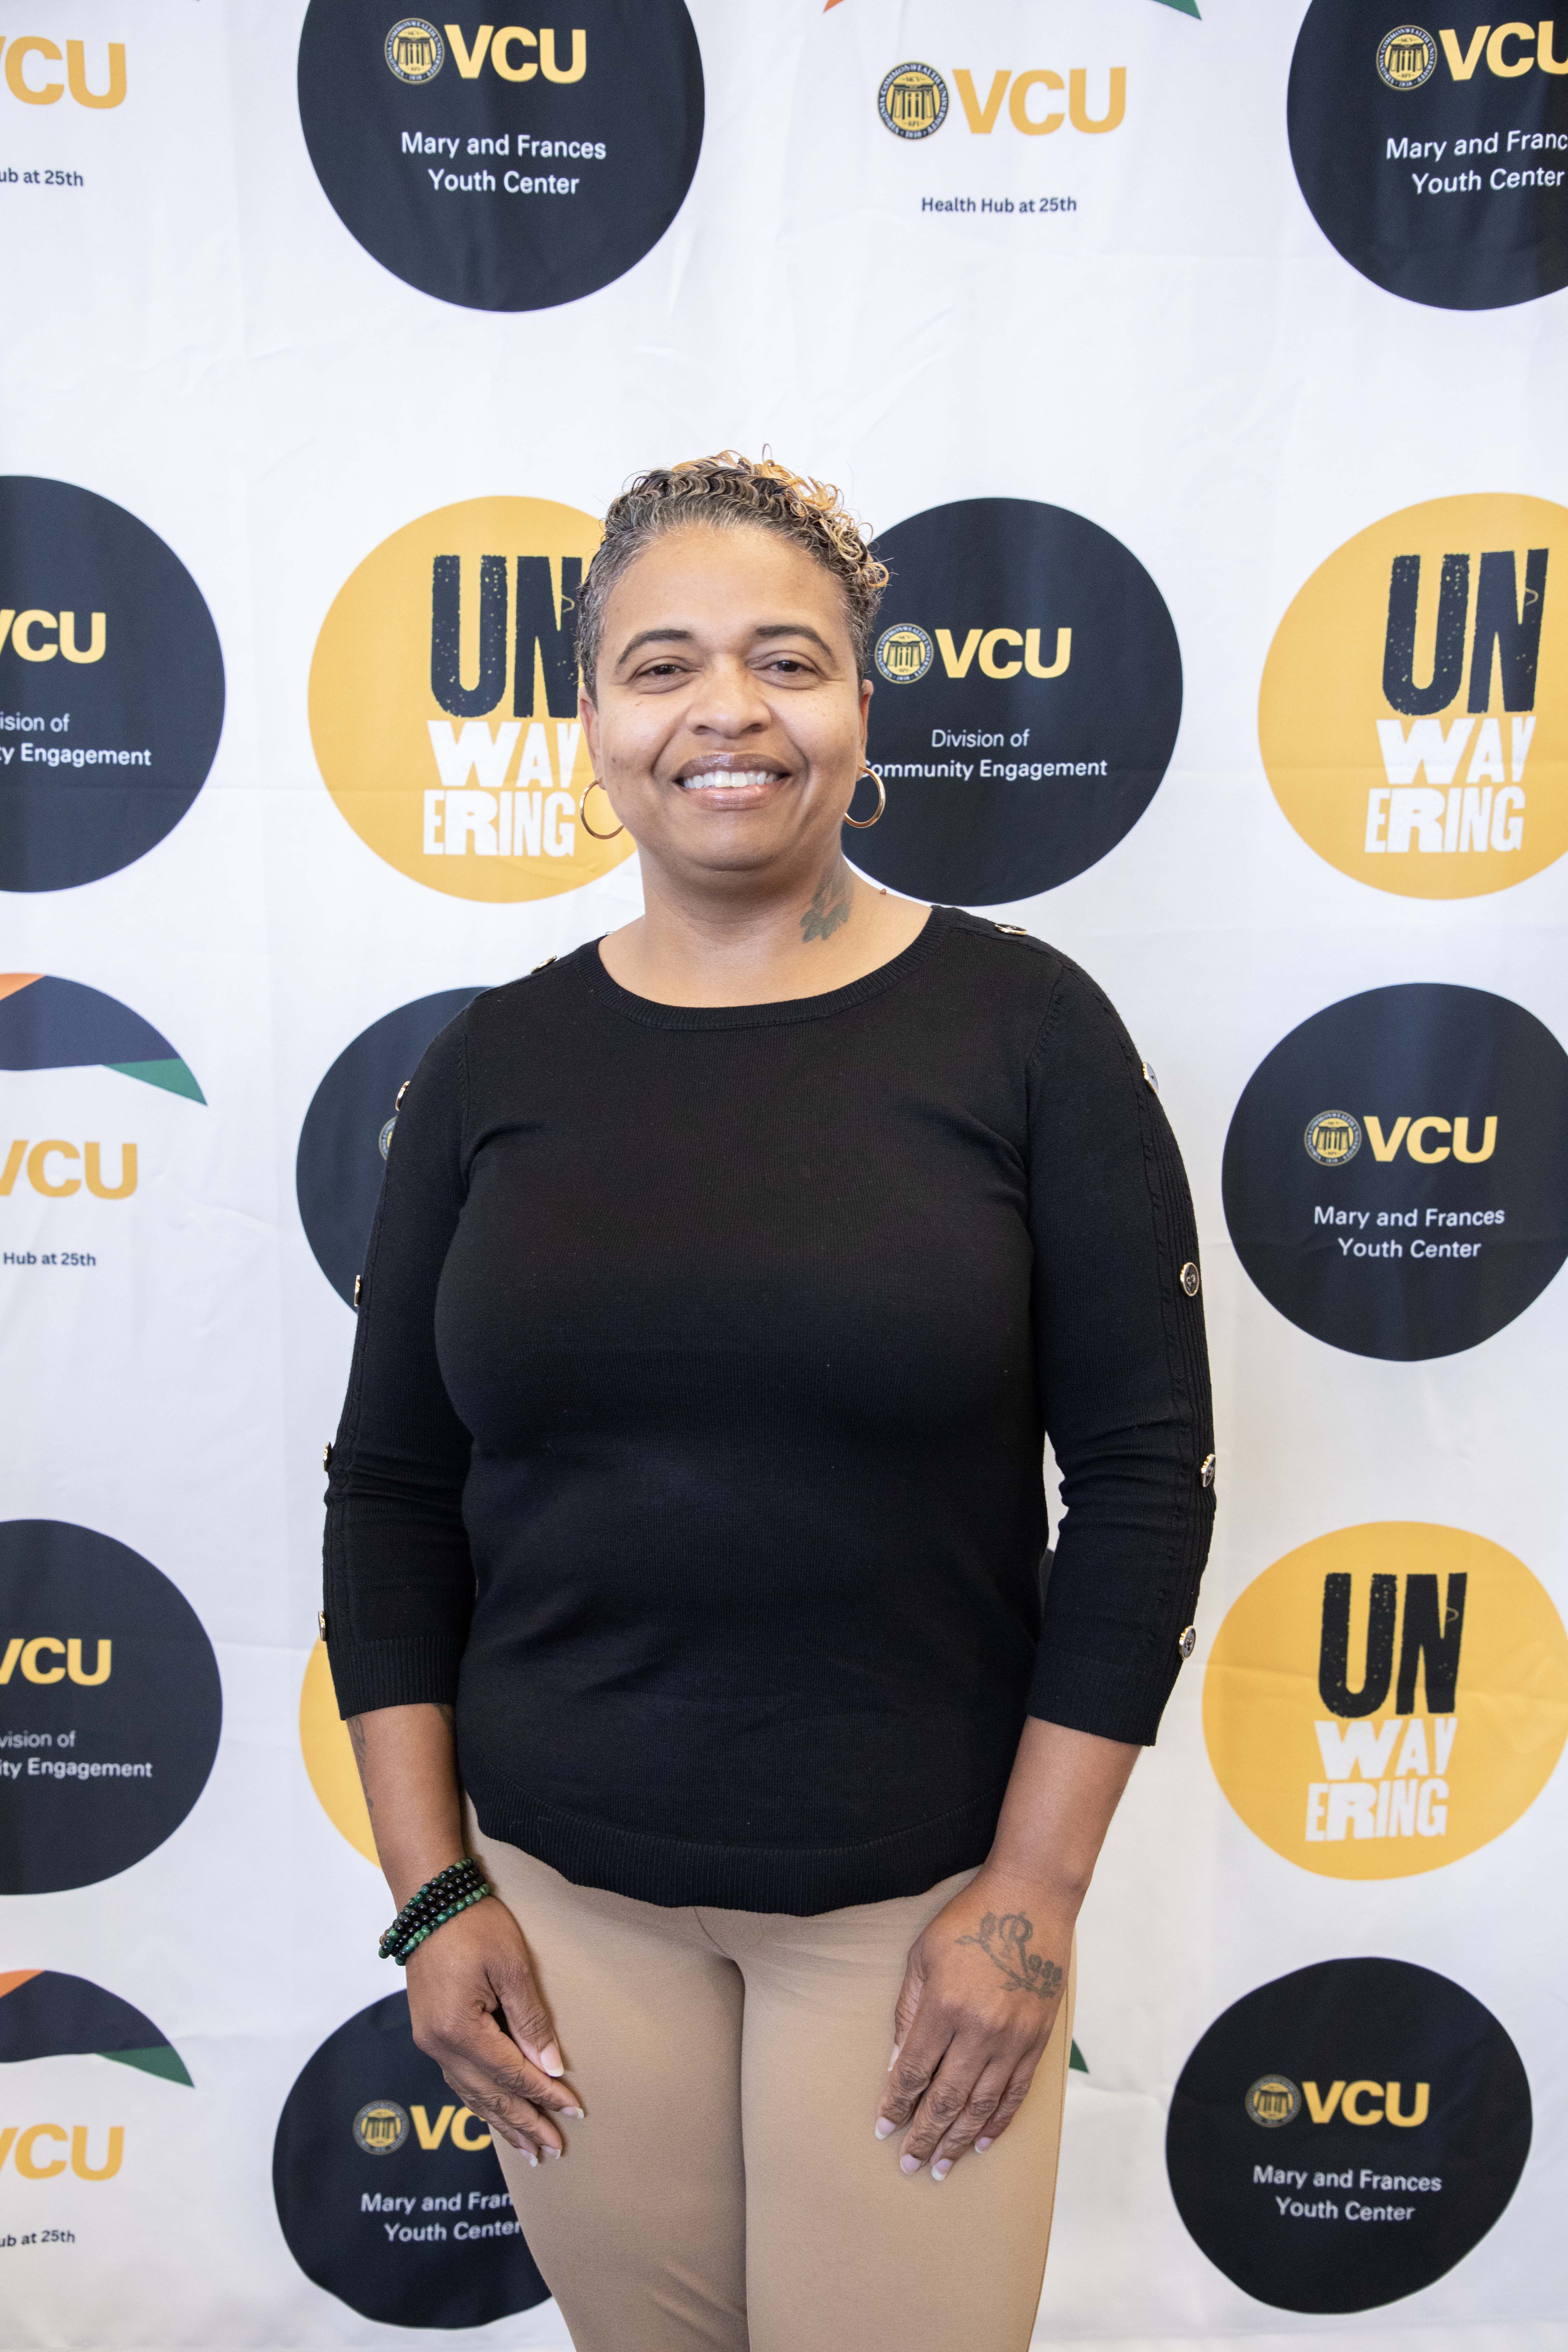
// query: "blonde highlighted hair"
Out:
[725,492]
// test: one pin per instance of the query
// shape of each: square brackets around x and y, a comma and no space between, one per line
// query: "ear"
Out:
[590,719]
[867,690]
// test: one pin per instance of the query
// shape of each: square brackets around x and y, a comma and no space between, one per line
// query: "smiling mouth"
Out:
[735,780]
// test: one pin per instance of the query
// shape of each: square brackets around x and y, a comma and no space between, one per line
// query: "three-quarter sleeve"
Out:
[1122,1371]
[399,1579]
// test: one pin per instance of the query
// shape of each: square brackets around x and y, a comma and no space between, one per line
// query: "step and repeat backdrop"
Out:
[1198,368]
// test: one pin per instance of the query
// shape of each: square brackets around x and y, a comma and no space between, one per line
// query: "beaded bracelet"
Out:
[456,1888]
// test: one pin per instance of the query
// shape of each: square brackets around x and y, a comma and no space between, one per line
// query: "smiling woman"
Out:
[687,1515]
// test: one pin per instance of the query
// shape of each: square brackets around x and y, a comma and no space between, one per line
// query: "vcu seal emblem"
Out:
[1332,1137]
[1273,2100]
[912,101]
[415,49]
[380,2126]
[1407,56]
[903,653]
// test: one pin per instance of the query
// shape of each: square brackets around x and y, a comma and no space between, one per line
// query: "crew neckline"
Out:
[655,1015]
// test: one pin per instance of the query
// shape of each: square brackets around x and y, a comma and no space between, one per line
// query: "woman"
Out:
[687,1513]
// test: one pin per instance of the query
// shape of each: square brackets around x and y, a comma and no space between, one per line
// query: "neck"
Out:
[750,945]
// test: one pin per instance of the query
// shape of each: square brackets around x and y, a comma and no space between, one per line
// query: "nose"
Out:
[727,702]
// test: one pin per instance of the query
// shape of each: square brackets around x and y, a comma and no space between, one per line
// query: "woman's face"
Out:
[729,723]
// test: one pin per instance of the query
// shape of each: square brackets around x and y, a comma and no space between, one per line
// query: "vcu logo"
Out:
[912,101]
[1499,629]
[31,1656]
[1506,49]
[472,811]
[1031,100]
[29,60]
[904,653]
[415,50]
[1407,56]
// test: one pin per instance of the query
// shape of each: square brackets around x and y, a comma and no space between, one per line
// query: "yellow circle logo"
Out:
[1273,2100]
[1387,1699]
[330,1757]
[444,701]
[1414,716]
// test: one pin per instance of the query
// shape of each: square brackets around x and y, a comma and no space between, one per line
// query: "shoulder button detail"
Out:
[359,1286]
[402,1090]
[322,1623]
[1188,1641]
[327,1454]
[1191,1279]
[1014,930]
[1205,1471]
[1150,1077]
[541,967]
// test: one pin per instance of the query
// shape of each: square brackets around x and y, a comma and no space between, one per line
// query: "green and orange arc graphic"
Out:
[48,1024]
[45,2013]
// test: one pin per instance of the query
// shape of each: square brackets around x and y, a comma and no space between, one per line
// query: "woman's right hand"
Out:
[505,2067]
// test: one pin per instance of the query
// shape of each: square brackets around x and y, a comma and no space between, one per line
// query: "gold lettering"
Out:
[1462,68]
[101,1668]
[1462,1140]
[1494,50]
[94,1165]
[45,94]
[1546,56]
[1351,2108]
[981,118]
[38,1176]
[1417,2114]
[13,1651]
[431,2134]
[1032,654]
[468,61]
[1018,101]
[111,2161]
[552,72]
[1078,100]
[76,74]
[462,2137]
[26,2165]
[19,636]
[955,663]
[500,53]
[33,1650]
[12,1168]
[98,641]
[1322,2110]
[6,2137]
[988,661]
[1415,1142]
[1382,1148]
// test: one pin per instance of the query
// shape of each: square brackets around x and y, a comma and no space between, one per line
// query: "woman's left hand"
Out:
[981,1989]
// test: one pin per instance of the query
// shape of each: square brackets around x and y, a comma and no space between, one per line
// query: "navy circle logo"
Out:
[388,2192]
[348,1130]
[1424,1219]
[1396,2129]
[504,167]
[1035,735]
[111,686]
[111,1706]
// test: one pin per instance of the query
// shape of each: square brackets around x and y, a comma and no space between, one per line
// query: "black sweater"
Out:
[693,1440]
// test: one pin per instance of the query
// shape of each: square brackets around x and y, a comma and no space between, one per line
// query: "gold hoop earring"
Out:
[582,813]
[863,823]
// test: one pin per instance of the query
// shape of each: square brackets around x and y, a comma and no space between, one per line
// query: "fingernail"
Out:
[908,2164]
[534,2162]
[550,2152]
[575,2113]
[550,2059]
[894,2059]
[982,2145]
[885,2130]
[942,2168]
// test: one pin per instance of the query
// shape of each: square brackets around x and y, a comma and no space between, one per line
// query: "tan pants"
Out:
[727,2190]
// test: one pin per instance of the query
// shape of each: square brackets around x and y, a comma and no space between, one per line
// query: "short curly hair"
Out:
[726,491]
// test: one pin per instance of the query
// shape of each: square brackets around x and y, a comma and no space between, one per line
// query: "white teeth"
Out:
[728,778]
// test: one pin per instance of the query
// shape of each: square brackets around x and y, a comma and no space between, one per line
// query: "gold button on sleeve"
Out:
[1190,1279]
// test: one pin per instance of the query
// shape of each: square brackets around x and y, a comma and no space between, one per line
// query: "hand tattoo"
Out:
[1002,1941]
[831,905]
